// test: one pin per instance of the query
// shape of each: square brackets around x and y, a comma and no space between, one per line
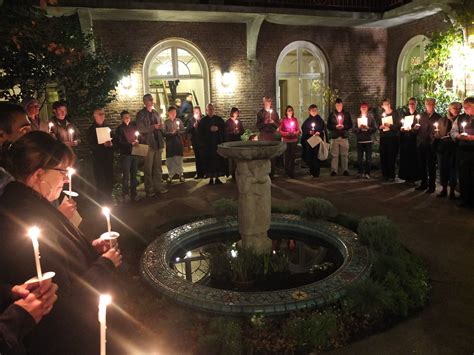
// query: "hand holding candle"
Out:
[104,301]
[50,126]
[463,125]
[436,127]
[71,134]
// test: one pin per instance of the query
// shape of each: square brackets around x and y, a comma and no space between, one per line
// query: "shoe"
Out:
[196,177]
[452,194]
[421,188]
[181,178]
[169,180]
[217,182]
[211,181]
[345,173]
[333,173]
[162,191]
[430,190]
[367,176]
[443,193]
[150,195]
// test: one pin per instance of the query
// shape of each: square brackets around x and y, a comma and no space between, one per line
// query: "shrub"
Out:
[318,208]
[219,264]
[347,220]
[285,209]
[225,207]
[380,234]
[246,265]
[223,336]
[367,297]
[313,331]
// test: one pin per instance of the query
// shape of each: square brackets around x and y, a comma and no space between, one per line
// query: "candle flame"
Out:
[34,233]
[71,171]
[106,211]
[105,300]
[71,131]
[50,124]
[137,133]
[464,124]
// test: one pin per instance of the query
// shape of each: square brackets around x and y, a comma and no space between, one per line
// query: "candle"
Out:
[292,125]
[417,119]
[339,120]
[104,301]
[436,126]
[106,212]
[71,134]
[177,124]
[271,114]
[33,233]
[236,126]
[313,125]
[137,134]
[70,172]
[50,125]
[464,124]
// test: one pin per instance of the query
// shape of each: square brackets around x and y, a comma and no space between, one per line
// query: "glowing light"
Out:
[234,253]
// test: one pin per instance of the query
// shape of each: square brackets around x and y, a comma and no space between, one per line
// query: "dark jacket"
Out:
[94,146]
[365,136]
[469,129]
[174,145]
[80,271]
[124,137]
[394,130]
[443,141]
[233,132]
[333,122]
[267,124]
[425,134]
[61,129]
[307,131]
[150,136]
[192,130]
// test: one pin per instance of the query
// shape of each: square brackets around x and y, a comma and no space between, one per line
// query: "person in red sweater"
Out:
[289,130]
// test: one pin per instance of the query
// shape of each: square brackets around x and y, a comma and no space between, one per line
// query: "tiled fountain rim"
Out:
[156,271]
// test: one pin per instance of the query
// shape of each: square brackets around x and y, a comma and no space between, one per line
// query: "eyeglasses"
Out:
[63,172]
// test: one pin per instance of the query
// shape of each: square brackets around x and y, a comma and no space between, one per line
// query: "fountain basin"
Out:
[251,150]
[157,259]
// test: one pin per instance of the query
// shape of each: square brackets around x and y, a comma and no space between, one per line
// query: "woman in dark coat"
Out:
[233,133]
[314,125]
[192,130]
[38,162]
[408,169]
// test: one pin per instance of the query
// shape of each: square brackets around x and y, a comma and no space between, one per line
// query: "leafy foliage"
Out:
[318,208]
[223,336]
[225,207]
[38,51]
[380,234]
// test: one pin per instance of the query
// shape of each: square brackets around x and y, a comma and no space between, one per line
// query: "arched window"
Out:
[301,73]
[173,68]
[412,54]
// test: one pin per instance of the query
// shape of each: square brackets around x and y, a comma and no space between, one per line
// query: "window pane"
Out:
[162,64]
[187,63]
[309,63]
[289,63]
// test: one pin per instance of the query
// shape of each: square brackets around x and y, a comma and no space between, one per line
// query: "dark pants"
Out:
[466,176]
[314,163]
[103,166]
[388,155]
[447,168]
[290,158]
[129,175]
[198,160]
[427,165]
[364,148]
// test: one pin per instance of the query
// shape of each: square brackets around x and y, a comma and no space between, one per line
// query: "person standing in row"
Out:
[192,130]
[408,169]
[267,124]
[364,130]
[233,133]
[389,140]
[463,133]
[426,151]
[102,158]
[313,125]
[339,125]
[32,108]
[61,127]
[211,133]
[151,129]
[289,130]
[174,128]
[126,138]
[446,150]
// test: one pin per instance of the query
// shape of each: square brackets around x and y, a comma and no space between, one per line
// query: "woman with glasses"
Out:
[39,163]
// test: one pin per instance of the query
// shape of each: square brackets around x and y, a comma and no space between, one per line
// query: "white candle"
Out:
[70,172]
[436,126]
[271,114]
[106,212]
[292,125]
[33,233]
[177,124]
[137,134]
[71,133]
[417,119]
[464,127]
[339,120]
[313,125]
[104,301]
[50,125]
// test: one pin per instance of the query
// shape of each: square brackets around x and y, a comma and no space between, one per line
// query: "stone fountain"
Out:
[253,182]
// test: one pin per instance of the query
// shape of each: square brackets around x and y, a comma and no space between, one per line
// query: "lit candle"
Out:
[236,125]
[464,124]
[292,125]
[33,233]
[70,172]
[313,125]
[104,301]
[106,212]
[177,124]
[418,119]
[137,134]
[71,134]
[339,120]
[50,125]
[271,114]
[436,126]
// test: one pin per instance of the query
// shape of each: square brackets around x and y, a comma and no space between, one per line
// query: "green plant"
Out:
[219,264]
[380,234]
[223,336]
[248,134]
[246,265]
[367,297]
[318,208]
[225,207]
[347,220]
[279,263]
[328,94]
[311,331]
[287,209]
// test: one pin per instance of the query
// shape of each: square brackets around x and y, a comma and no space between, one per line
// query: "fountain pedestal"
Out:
[254,184]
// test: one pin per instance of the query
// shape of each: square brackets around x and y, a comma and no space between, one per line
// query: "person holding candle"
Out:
[446,150]
[425,147]
[126,138]
[150,127]
[339,126]
[32,108]
[192,130]
[289,130]
[389,140]
[267,124]
[102,158]
[463,134]
[364,131]
[314,125]
[63,129]
[173,130]
[211,133]
[408,169]
[233,133]
[38,162]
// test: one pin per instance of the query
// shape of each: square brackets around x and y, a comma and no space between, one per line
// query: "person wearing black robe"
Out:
[408,168]
[313,125]
[389,141]
[211,133]
[192,130]
[102,159]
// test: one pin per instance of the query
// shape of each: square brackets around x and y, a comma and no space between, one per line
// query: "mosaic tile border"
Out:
[155,270]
